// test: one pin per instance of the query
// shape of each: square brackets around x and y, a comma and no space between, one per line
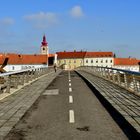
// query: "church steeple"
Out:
[44,42]
[44,46]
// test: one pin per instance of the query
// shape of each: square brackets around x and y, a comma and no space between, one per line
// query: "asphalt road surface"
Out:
[67,110]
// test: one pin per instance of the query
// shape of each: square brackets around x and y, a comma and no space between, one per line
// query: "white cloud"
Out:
[42,20]
[6,27]
[6,21]
[76,12]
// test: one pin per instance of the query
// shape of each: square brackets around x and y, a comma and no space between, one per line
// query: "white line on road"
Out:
[71,116]
[69,80]
[70,99]
[69,84]
[70,89]
[69,75]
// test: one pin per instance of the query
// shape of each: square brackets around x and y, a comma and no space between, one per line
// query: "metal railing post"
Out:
[8,83]
[134,83]
[118,78]
[126,80]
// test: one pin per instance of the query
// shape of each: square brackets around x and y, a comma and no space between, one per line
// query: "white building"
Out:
[15,62]
[103,59]
[131,64]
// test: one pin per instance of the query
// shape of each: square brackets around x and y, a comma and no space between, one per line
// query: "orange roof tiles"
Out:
[98,54]
[64,55]
[126,61]
[24,59]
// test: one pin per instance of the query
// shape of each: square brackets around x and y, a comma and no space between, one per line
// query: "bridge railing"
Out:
[124,78]
[11,80]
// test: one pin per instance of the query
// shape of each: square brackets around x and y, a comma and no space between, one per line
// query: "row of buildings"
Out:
[67,60]
[71,60]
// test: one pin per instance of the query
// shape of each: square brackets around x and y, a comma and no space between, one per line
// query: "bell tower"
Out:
[44,46]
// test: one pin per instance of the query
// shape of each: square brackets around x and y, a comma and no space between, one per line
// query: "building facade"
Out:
[103,59]
[15,62]
[70,60]
[131,64]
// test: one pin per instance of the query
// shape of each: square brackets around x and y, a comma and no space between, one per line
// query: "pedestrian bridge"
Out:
[117,90]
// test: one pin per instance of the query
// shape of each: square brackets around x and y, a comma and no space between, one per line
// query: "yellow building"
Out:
[70,60]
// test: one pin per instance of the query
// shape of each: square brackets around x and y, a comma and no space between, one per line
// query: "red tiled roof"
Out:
[24,59]
[98,54]
[126,61]
[64,55]
[51,55]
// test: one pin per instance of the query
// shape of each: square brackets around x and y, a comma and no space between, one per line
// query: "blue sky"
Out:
[88,25]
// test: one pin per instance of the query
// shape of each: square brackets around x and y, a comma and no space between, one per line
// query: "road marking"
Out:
[69,80]
[69,75]
[71,116]
[70,99]
[70,89]
[51,92]
[69,84]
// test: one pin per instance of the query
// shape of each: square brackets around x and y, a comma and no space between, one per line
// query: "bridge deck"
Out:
[122,100]
[67,110]
[13,107]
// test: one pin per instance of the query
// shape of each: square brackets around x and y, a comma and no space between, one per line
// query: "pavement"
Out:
[14,106]
[123,101]
[66,110]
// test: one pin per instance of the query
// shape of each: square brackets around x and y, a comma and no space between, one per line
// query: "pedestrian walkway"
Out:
[63,114]
[125,102]
[14,106]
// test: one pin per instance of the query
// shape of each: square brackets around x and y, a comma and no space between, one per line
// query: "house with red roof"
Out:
[131,64]
[70,60]
[103,59]
[14,62]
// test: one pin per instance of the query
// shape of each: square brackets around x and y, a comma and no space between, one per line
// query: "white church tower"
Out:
[44,46]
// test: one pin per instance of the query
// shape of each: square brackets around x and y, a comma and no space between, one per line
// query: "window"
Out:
[86,61]
[74,61]
[101,61]
[43,49]
[91,61]
[106,61]
[110,61]
[64,61]
[96,61]
[69,61]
